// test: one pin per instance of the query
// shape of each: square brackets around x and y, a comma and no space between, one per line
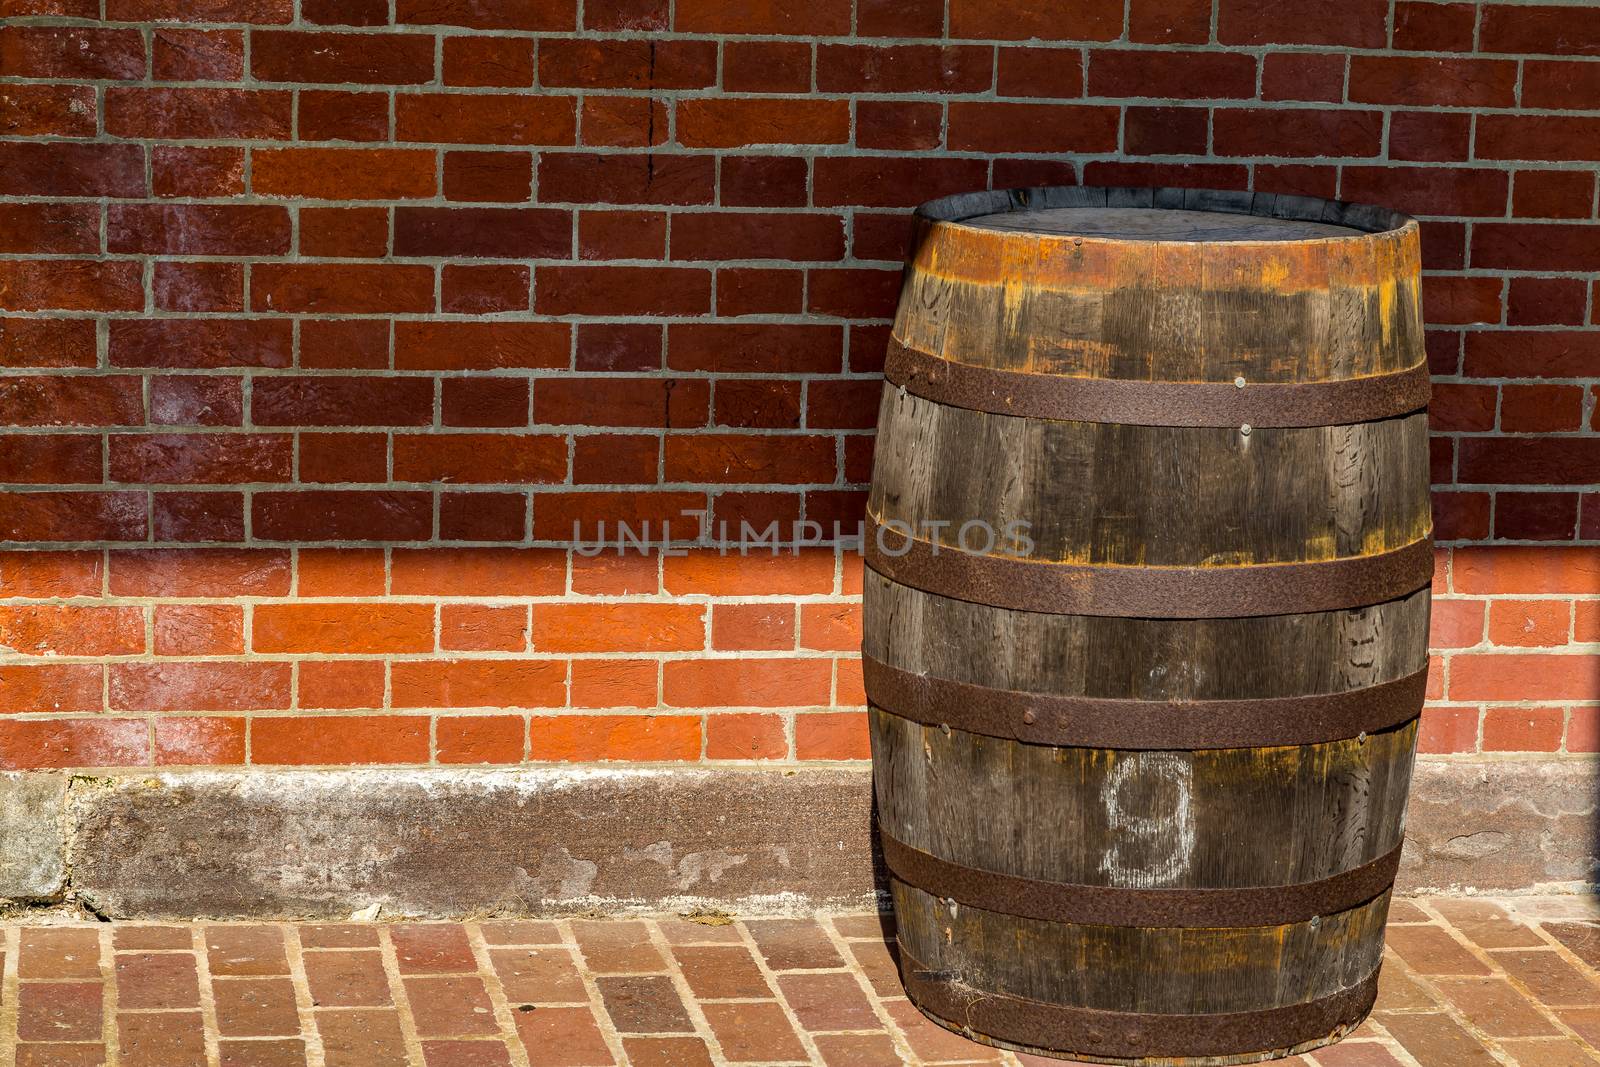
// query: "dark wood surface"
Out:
[1155,224]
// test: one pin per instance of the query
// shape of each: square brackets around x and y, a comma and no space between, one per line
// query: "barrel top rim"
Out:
[1366,221]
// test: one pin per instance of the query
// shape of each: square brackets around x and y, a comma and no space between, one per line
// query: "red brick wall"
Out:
[323,322]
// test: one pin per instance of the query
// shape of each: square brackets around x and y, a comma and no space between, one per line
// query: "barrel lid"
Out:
[1158,224]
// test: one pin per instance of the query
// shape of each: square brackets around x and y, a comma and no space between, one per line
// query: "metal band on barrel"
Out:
[989,1017]
[1157,403]
[1113,722]
[1147,592]
[1104,905]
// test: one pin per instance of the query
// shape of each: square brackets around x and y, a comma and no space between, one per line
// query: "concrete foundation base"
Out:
[284,844]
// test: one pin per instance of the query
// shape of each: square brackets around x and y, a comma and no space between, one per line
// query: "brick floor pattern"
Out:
[1466,982]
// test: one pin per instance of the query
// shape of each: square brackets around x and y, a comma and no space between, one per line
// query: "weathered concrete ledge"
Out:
[549,841]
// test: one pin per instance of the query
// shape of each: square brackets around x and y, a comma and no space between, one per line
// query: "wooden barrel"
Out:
[1149,550]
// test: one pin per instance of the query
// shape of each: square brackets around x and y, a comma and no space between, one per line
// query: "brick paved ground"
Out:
[1467,982]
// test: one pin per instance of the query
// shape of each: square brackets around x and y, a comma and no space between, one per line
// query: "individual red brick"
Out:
[626,15]
[199,573]
[1553,194]
[859,68]
[1460,300]
[754,403]
[623,121]
[1546,302]
[1169,21]
[483,232]
[477,683]
[488,61]
[340,572]
[857,293]
[1302,76]
[481,739]
[351,739]
[342,116]
[1547,29]
[198,286]
[486,118]
[77,400]
[1520,676]
[1538,461]
[827,18]
[193,171]
[1523,729]
[53,342]
[479,290]
[1537,137]
[344,232]
[613,683]
[325,400]
[83,53]
[1162,131]
[51,459]
[644,402]
[341,684]
[505,177]
[626,178]
[49,228]
[1530,623]
[480,628]
[735,122]
[471,572]
[1423,80]
[1541,408]
[760,291]
[200,343]
[260,12]
[197,516]
[742,459]
[198,459]
[1583,730]
[1361,24]
[755,348]
[1460,406]
[764,181]
[199,629]
[1448,730]
[762,683]
[1052,72]
[1540,516]
[69,285]
[579,515]
[343,173]
[484,401]
[169,686]
[78,743]
[1429,27]
[1564,85]
[198,229]
[898,125]
[1297,132]
[1094,20]
[603,346]
[1535,246]
[344,288]
[50,687]
[1543,353]
[30,573]
[596,290]
[58,630]
[345,12]
[37,109]
[1006,127]
[900,18]
[343,628]
[343,457]
[199,741]
[745,736]
[480,345]
[616,459]
[592,738]
[757,235]
[1190,75]
[483,516]
[329,515]
[618,628]
[378,59]
[766,67]
[197,113]
[490,14]
[346,344]
[480,458]
[622,235]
